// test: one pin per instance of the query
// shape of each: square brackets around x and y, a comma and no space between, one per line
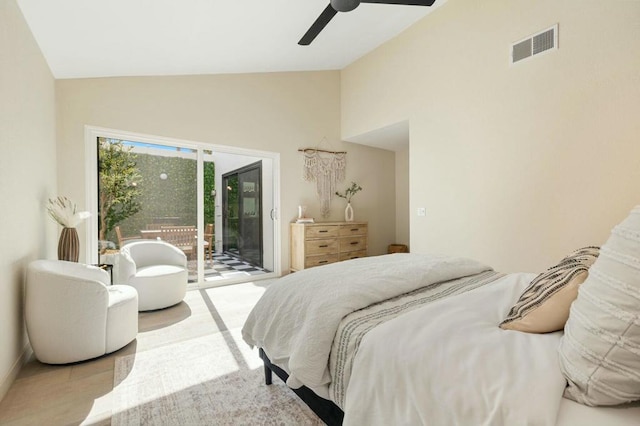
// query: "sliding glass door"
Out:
[148,191]
[208,203]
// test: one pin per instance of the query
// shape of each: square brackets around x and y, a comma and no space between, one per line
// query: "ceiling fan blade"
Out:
[322,21]
[405,2]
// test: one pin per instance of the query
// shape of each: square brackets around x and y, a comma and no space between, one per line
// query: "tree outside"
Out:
[118,184]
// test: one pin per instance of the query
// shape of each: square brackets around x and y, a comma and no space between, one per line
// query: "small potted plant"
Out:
[348,194]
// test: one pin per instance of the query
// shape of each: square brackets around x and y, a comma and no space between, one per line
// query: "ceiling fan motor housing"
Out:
[344,5]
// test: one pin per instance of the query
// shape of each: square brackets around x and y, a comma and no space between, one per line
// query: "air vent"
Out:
[534,45]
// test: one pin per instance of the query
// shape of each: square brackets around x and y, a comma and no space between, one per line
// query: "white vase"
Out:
[348,213]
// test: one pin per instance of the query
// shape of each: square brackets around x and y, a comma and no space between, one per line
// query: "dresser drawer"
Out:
[311,261]
[348,244]
[355,229]
[321,243]
[353,255]
[314,247]
[321,231]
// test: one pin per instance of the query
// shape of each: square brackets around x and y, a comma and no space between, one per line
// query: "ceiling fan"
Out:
[346,6]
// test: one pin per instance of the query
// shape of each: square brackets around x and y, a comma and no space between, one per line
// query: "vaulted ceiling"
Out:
[102,38]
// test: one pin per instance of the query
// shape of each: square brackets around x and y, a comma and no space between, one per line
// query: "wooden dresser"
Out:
[315,244]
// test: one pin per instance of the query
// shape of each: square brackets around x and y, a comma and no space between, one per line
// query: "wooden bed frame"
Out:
[328,412]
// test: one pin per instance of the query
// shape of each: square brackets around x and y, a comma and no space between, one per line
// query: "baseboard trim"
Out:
[8,380]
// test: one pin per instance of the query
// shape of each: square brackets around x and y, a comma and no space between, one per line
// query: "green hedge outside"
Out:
[173,197]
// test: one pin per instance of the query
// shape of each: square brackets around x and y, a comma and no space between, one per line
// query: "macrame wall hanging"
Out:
[326,168]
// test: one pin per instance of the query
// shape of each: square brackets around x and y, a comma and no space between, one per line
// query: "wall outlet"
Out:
[422,211]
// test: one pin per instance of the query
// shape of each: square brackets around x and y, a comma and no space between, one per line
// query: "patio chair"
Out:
[123,240]
[209,248]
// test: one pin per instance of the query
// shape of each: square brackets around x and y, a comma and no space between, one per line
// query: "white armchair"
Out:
[73,314]
[157,270]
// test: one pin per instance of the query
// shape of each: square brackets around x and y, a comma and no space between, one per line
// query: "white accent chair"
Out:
[157,270]
[73,314]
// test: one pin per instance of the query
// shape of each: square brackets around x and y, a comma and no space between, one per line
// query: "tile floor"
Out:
[81,393]
[226,266]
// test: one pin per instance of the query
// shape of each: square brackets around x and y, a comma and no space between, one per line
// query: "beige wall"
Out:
[277,112]
[402,197]
[516,165]
[27,176]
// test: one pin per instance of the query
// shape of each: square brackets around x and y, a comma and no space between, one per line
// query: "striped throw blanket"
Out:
[355,326]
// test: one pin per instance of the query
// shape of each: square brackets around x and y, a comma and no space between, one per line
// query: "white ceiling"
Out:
[104,38]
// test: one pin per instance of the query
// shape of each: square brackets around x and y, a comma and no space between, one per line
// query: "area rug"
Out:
[211,380]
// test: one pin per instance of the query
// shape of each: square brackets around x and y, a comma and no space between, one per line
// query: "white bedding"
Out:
[571,414]
[296,319]
[444,363]
[448,363]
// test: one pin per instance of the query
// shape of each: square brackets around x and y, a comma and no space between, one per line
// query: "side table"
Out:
[106,267]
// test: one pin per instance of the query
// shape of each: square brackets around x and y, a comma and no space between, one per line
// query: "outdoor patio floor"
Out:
[226,266]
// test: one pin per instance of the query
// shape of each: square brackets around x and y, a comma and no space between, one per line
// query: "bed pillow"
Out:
[544,305]
[599,353]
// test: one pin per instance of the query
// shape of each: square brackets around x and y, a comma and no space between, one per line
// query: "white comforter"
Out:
[296,319]
[448,363]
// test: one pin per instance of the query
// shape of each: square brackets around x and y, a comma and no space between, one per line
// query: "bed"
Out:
[410,339]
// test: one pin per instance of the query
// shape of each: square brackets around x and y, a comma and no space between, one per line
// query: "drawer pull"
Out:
[323,246]
[355,229]
[323,230]
[323,261]
[354,243]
